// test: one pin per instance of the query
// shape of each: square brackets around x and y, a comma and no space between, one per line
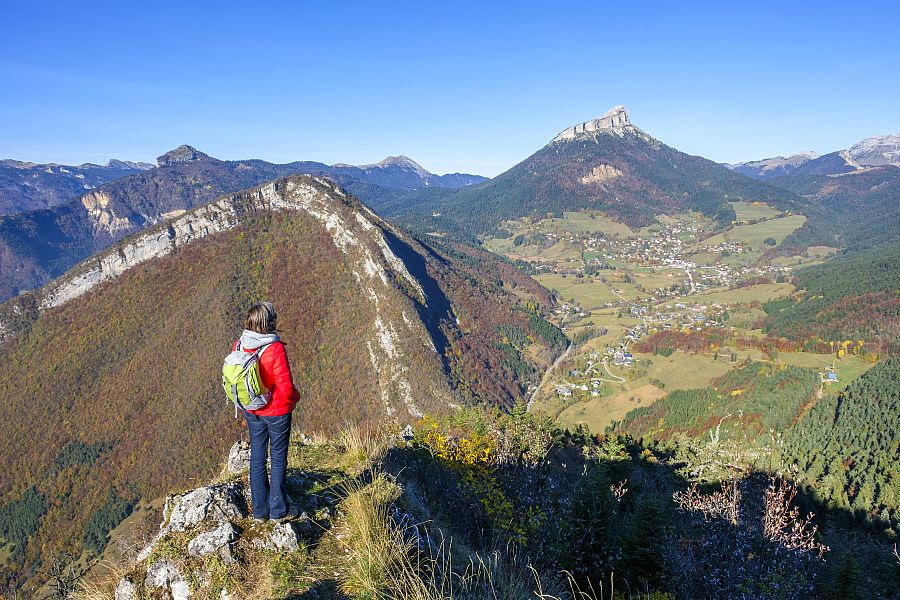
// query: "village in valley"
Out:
[617,287]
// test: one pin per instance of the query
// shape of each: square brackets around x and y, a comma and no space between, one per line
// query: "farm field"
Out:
[753,211]
[659,279]
[597,413]
[761,292]
[754,235]
[588,294]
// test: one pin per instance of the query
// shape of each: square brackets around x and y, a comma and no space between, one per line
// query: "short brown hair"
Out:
[261,318]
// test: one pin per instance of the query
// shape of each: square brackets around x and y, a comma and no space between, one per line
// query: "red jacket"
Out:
[275,373]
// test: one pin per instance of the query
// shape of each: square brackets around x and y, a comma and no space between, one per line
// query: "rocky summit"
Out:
[877,151]
[615,120]
[181,154]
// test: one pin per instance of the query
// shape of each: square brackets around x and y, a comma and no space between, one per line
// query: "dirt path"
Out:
[547,375]
[616,377]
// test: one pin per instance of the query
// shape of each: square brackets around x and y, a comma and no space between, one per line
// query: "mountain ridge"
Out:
[874,151]
[37,246]
[28,186]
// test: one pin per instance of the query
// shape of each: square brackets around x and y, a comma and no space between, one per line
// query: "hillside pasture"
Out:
[754,235]
[761,292]
[597,413]
[847,368]
[683,370]
[588,293]
[585,222]
[753,211]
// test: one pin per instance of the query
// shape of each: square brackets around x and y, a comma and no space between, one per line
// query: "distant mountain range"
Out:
[28,186]
[874,151]
[38,245]
[773,167]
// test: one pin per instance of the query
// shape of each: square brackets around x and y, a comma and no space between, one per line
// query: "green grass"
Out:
[589,294]
[753,235]
[706,258]
[585,222]
[659,279]
[847,368]
[762,292]
[753,211]
[685,371]
[597,413]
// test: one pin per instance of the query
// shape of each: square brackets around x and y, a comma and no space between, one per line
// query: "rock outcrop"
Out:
[218,503]
[601,173]
[99,212]
[615,120]
[211,523]
[238,458]
[217,540]
[163,574]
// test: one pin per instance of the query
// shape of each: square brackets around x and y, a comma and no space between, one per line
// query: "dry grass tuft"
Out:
[103,585]
[386,563]
[361,447]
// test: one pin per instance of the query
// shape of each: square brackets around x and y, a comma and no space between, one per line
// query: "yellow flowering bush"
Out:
[474,458]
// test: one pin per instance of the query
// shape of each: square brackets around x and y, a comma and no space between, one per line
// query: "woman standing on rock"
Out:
[270,426]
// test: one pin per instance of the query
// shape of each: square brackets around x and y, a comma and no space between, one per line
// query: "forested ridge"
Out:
[857,210]
[847,447]
[855,296]
[743,405]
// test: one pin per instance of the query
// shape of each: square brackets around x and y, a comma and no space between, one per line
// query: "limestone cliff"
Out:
[615,121]
[600,174]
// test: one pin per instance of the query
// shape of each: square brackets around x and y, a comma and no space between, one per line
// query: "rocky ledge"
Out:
[210,527]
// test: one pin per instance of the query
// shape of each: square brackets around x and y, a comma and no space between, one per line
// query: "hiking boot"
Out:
[292,513]
[260,519]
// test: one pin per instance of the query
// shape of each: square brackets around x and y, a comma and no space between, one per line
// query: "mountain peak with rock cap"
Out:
[181,154]
[615,120]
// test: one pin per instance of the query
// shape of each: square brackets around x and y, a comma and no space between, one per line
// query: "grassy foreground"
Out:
[488,504]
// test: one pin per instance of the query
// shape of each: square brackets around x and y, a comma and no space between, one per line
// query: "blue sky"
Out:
[471,87]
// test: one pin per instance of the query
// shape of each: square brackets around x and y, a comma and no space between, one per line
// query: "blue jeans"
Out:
[267,491]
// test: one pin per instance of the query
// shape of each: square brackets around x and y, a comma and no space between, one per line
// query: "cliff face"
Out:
[615,121]
[601,173]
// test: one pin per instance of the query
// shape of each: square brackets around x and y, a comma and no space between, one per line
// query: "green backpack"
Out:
[241,380]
